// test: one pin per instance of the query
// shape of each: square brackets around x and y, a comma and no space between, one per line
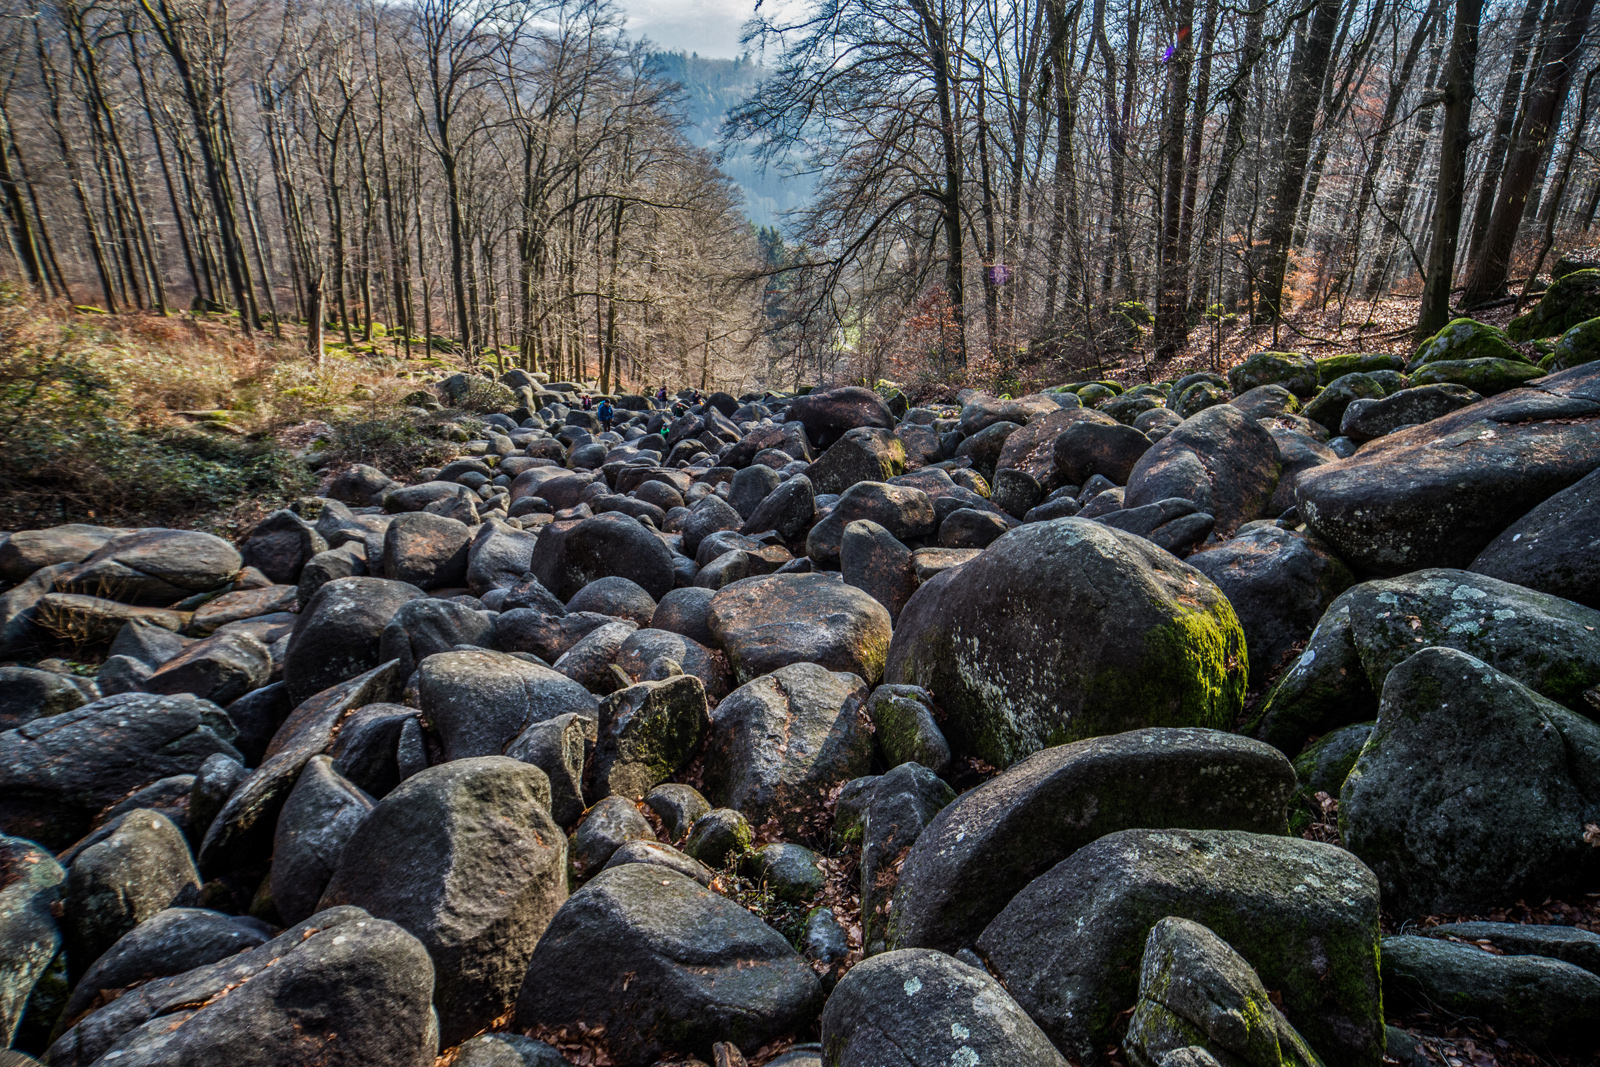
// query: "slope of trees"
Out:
[1036,166]
[506,178]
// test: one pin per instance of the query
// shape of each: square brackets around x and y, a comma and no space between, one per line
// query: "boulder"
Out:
[1528,998]
[90,620]
[861,455]
[323,812]
[58,773]
[1572,298]
[1570,944]
[1555,548]
[873,560]
[686,611]
[664,964]
[788,510]
[678,807]
[361,485]
[118,882]
[920,1008]
[1472,790]
[1068,629]
[1487,377]
[340,632]
[829,414]
[647,733]
[1336,397]
[1295,371]
[27,694]
[709,515]
[611,544]
[1332,368]
[1435,495]
[466,858]
[156,567]
[1280,583]
[1088,447]
[341,989]
[1302,913]
[428,626]
[611,823]
[1465,339]
[427,551]
[28,551]
[280,545]
[508,1050]
[779,743]
[221,668]
[1540,640]
[992,842]
[618,597]
[498,556]
[1223,460]
[904,801]
[1031,449]
[591,661]
[903,722]
[662,855]
[477,701]
[1579,345]
[767,623]
[30,888]
[557,746]
[906,512]
[1365,420]
[1195,991]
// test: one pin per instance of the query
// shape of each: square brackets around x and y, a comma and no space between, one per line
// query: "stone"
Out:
[612,822]
[1303,914]
[789,871]
[1465,339]
[168,943]
[1331,368]
[428,626]
[156,567]
[117,883]
[1224,461]
[1365,420]
[30,887]
[1016,492]
[1323,767]
[508,1050]
[709,515]
[1280,583]
[257,716]
[1540,640]
[542,634]
[1195,991]
[498,556]
[244,606]
[340,633]
[649,732]
[89,620]
[221,668]
[904,511]
[720,838]
[829,414]
[478,702]
[349,560]
[1031,449]
[557,747]
[1526,998]
[590,661]
[1295,371]
[678,806]
[1087,448]
[992,842]
[1555,548]
[686,611]
[663,963]
[323,812]
[611,544]
[920,1008]
[970,528]
[618,597]
[788,510]
[781,742]
[1266,402]
[982,411]
[660,855]
[906,730]
[1487,377]
[58,773]
[427,551]
[361,485]
[1435,495]
[860,455]
[1174,524]
[465,858]
[1329,406]
[28,551]
[280,545]
[642,651]
[904,801]
[1068,629]
[1471,790]
[27,694]
[983,449]
[1579,345]
[750,487]
[214,783]
[1572,298]
[341,989]
[764,624]
[876,562]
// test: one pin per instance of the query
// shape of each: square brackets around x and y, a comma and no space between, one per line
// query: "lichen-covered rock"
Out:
[1487,377]
[1367,419]
[987,846]
[1331,368]
[1579,345]
[861,455]
[1295,371]
[664,964]
[1302,913]
[1436,494]
[1465,339]
[1195,991]
[904,801]
[1223,460]
[1555,548]
[767,623]
[920,1008]
[1329,406]
[906,731]
[1541,640]
[648,732]
[1472,789]
[30,886]
[1068,629]
[1570,944]
[1573,298]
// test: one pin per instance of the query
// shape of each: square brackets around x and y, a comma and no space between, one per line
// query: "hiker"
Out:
[661,395]
[587,401]
[606,414]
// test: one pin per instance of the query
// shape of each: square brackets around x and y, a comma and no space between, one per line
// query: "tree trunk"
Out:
[1455,139]
[1170,333]
[1500,139]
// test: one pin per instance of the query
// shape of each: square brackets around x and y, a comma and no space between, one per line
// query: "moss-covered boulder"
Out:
[1577,346]
[1332,368]
[1302,913]
[1127,407]
[1573,298]
[1068,629]
[1295,371]
[987,846]
[1465,339]
[1543,641]
[1323,767]
[1194,393]
[1195,991]
[1472,790]
[1095,393]
[1329,406]
[1487,377]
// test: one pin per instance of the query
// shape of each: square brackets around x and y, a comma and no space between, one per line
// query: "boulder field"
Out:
[829,729]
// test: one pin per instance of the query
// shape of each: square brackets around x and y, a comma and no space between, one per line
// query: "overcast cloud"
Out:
[709,27]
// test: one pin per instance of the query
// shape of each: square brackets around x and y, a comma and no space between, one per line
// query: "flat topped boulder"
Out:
[986,847]
[1435,495]
[157,566]
[767,623]
[1068,629]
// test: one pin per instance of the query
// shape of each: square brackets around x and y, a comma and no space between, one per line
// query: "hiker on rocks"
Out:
[606,413]
[588,401]
[661,395]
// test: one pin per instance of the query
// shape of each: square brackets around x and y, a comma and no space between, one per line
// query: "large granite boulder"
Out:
[340,633]
[767,623]
[156,567]
[1555,548]
[569,557]
[1223,460]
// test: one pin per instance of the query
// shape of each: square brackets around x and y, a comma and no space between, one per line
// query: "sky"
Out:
[709,27]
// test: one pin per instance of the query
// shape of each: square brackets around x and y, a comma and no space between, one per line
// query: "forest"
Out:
[996,185]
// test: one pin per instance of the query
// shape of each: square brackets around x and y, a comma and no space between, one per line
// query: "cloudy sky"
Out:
[710,27]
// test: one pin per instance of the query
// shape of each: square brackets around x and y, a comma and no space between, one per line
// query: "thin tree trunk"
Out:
[1455,139]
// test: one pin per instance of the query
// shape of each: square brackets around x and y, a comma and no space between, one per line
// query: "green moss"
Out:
[1332,368]
[1462,339]
[1579,345]
[1484,376]
[1572,299]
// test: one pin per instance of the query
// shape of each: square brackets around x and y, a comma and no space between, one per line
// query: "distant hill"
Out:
[712,88]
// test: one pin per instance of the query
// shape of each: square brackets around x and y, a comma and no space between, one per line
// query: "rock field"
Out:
[1193,724]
